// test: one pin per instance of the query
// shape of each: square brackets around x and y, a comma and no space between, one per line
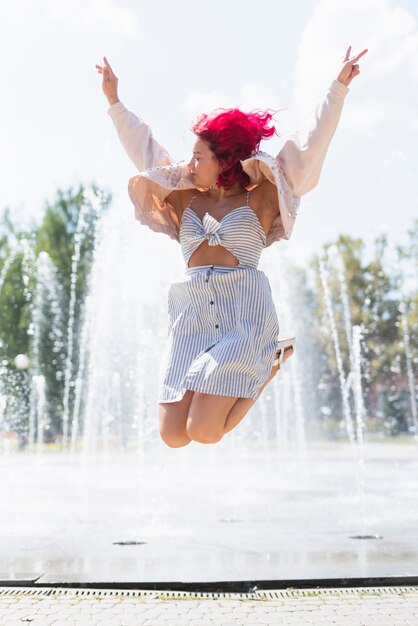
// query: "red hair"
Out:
[232,136]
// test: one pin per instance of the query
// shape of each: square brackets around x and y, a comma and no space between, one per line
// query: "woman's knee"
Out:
[172,421]
[202,432]
[174,440]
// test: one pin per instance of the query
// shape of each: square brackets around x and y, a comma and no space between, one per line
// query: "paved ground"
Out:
[168,514]
[390,606]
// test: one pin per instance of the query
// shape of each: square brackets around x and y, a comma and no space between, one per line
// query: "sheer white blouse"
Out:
[295,170]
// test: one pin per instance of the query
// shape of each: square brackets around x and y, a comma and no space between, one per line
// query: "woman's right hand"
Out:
[350,69]
[109,82]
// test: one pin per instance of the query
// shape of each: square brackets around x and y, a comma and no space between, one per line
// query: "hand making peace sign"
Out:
[109,82]
[350,69]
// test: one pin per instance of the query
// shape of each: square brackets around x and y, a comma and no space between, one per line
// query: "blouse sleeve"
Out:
[137,139]
[303,154]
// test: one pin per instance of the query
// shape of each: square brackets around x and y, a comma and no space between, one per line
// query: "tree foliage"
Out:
[375,303]
[38,267]
[44,280]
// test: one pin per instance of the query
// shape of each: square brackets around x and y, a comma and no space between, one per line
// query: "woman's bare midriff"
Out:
[212,255]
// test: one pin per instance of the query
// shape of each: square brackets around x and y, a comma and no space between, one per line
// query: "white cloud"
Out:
[369,113]
[399,155]
[199,102]
[49,50]
[52,47]
[257,96]
[96,14]
[251,96]
[23,18]
[388,81]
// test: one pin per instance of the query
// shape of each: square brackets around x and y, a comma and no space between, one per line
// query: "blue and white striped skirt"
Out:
[222,333]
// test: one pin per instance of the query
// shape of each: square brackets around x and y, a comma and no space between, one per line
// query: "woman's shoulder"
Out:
[263,188]
[180,199]
[264,196]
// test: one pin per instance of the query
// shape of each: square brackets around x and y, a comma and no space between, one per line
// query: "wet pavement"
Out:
[209,514]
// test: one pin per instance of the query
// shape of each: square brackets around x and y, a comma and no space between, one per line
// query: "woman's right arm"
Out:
[134,134]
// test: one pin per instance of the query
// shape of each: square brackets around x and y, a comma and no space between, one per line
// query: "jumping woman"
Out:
[224,206]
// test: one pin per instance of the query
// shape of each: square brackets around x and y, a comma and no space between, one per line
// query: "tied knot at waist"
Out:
[209,230]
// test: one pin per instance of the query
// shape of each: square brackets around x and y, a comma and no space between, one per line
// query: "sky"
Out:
[177,59]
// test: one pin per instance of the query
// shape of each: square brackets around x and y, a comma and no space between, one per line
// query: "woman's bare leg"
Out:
[243,405]
[172,418]
[207,417]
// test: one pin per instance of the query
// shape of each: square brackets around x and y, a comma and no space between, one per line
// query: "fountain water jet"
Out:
[46,325]
[409,368]
[90,201]
[352,381]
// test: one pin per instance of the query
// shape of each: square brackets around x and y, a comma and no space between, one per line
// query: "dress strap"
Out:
[191,199]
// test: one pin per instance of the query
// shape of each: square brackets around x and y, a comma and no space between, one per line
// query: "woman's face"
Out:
[204,167]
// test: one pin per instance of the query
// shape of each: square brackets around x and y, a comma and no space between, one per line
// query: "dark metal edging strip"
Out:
[243,586]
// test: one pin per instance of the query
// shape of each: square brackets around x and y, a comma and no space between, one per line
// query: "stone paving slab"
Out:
[388,606]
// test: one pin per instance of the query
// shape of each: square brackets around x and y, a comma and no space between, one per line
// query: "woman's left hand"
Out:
[350,69]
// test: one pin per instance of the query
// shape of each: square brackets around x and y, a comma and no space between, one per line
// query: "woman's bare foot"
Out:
[287,353]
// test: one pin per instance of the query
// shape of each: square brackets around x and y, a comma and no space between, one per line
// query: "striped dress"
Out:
[223,325]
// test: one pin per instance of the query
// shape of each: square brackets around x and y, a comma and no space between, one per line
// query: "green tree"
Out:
[69,223]
[406,277]
[373,304]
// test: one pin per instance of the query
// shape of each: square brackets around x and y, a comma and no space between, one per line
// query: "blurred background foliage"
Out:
[63,226]
[379,285]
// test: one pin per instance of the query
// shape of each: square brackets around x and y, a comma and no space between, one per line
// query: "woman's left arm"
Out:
[303,154]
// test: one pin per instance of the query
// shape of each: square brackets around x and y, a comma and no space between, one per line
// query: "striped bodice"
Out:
[239,231]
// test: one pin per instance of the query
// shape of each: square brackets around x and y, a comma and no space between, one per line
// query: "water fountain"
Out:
[263,503]
[345,381]
[45,328]
[126,314]
[91,201]
[409,369]
[352,381]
